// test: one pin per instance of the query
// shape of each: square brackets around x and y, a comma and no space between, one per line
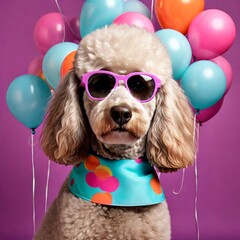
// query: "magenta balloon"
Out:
[226,67]
[136,19]
[51,29]
[211,33]
[75,27]
[208,113]
[35,66]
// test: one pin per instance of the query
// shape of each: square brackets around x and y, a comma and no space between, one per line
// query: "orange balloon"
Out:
[41,75]
[67,63]
[177,14]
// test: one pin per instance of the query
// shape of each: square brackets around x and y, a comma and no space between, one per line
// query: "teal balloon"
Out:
[179,50]
[27,98]
[136,6]
[53,60]
[204,83]
[99,13]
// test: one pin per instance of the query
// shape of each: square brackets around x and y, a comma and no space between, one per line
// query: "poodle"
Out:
[118,117]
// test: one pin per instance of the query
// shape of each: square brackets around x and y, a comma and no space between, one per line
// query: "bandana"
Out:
[126,182]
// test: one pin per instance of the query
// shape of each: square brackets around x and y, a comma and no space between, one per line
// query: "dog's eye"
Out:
[100,85]
[141,86]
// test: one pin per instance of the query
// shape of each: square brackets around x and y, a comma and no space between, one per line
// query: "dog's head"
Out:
[120,94]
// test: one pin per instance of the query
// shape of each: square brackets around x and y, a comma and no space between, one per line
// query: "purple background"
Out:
[218,156]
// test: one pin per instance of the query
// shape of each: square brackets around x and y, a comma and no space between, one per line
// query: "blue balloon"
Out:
[27,98]
[136,6]
[53,59]
[204,83]
[179,50]
[99,13]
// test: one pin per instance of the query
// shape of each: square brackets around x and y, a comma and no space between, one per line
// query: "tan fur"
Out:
[65,138]
[73,218]
[176,147]
[162,129]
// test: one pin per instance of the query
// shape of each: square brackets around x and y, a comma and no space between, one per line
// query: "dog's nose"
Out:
[121,114]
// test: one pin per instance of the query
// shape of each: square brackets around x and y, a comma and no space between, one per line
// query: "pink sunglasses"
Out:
[98,84]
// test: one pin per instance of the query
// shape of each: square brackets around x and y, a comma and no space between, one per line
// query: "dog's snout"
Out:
[121,114]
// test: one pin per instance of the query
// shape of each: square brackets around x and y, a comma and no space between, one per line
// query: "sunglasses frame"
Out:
[124,78]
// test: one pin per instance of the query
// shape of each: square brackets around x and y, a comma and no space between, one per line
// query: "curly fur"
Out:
[64,138]
[162,129]
[175,148]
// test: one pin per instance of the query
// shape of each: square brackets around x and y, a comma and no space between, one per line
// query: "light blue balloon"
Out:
[204,83]
[178,48]
[27,98]
[136,6]
[53,59]
[99,13]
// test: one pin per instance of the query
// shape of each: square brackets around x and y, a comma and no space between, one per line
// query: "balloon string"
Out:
[47,184]
[195,157]
[182,181]
[152,8]
[60,11]
[33,184]
[30,143]
[65,22]
[196,199]
[196,139]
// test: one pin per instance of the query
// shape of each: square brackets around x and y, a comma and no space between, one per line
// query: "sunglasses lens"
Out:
[100,85]
[141,86]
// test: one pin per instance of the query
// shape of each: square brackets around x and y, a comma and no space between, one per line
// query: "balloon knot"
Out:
[33,131]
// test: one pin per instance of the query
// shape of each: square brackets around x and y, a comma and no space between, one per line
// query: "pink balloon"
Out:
[208,113]
[51,29]
[136,19]
[226,67]
[35,67]
[211,33]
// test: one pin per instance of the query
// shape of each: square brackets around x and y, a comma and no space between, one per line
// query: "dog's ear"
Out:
[64,137]
[171,143]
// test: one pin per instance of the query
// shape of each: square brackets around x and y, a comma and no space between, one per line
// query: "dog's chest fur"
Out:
[85,220]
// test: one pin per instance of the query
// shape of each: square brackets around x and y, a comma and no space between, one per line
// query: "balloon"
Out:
[67,63]
[177,14]
[211,34]
[227,69]
[41,75]
[51,29]
[204,83]
[136,19]
[27,98]
[75,27]
[208,113]
[35,67]
[97,14]
[179,50]
[136,6]
[53,59]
